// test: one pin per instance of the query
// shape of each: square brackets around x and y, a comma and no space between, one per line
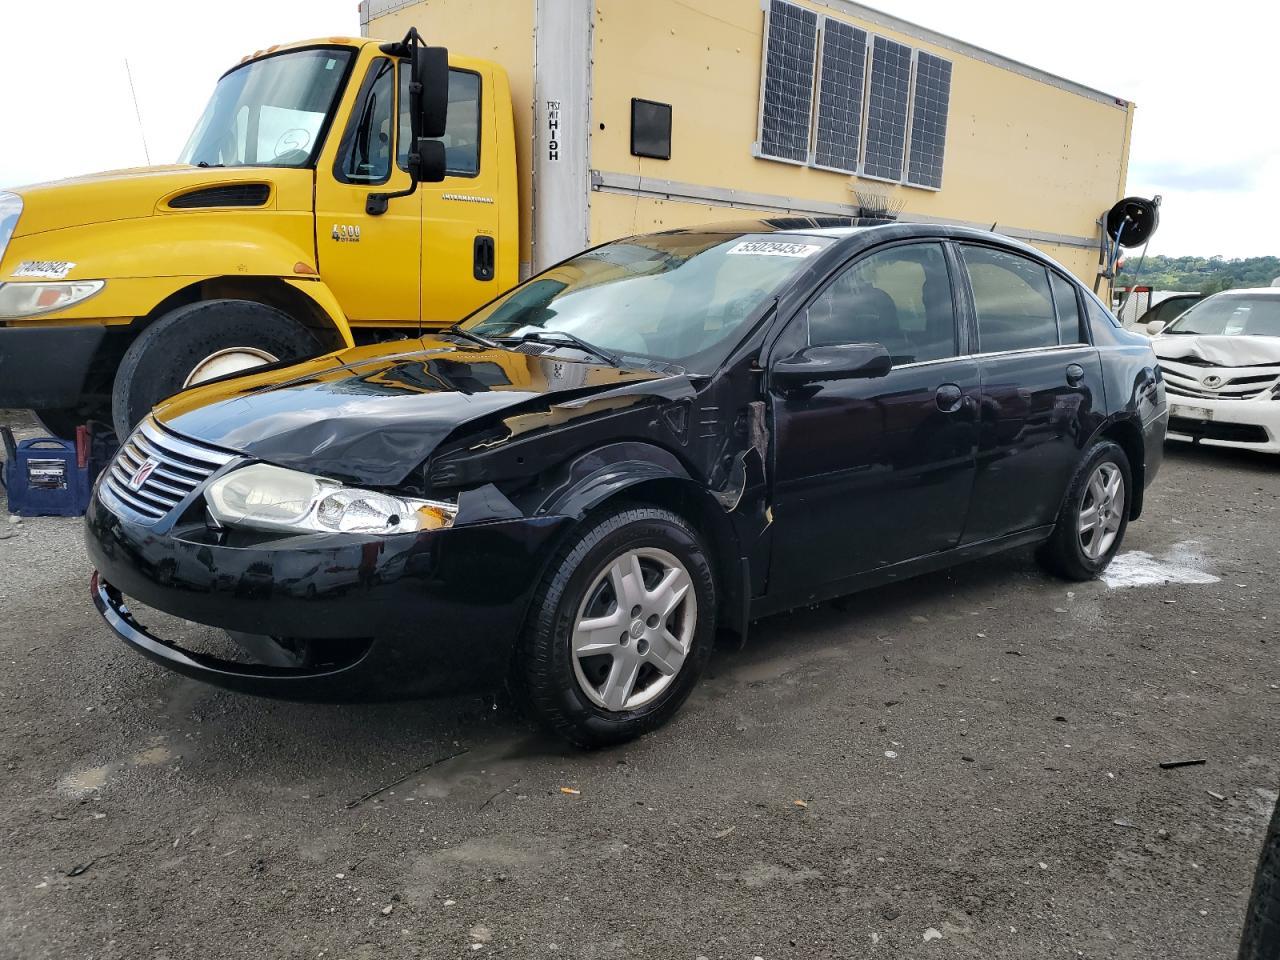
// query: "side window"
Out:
[900,297]
[1064,298]
[1011,296]
[462,127]
[366,147]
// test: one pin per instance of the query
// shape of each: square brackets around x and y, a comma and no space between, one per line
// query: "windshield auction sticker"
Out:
[775,248]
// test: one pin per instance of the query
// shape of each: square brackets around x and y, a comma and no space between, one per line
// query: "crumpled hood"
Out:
[115,194]
[371,415]
[1235,351]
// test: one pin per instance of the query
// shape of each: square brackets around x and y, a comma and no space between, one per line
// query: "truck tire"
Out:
[620,628]
[1094,516]
[198,342]
[1261,939]
[62,422]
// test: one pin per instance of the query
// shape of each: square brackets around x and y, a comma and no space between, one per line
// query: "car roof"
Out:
[1250,291]
[859,231]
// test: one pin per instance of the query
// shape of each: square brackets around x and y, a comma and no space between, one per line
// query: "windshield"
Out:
[679,297]
[1231,315]
[269,112]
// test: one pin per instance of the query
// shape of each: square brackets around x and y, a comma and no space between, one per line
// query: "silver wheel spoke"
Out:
[628,580]
[1088,519]
[620,682]
[670,592]
[599,635]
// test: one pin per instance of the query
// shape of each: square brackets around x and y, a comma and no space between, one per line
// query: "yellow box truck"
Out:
[291,224]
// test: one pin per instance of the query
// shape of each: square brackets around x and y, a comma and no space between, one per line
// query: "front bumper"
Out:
[46,367]
[1244,424]
[422,613]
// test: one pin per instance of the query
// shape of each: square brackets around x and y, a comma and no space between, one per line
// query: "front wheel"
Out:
[199,342]
[1094,516]
[620,628]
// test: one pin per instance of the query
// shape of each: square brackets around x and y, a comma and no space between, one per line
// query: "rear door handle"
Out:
[1075,373]
[949,398]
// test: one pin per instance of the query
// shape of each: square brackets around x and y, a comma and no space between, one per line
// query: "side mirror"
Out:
[846,361]
[428,111]
[429,91]
[1155,326]
[427,162]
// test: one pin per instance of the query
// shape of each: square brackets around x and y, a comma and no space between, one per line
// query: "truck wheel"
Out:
[1094,516]
[62,422]
[620,628]
[198,342]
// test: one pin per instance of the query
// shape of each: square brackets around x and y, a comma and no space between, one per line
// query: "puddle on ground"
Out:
[152,757]
[1137,568]
[85,781]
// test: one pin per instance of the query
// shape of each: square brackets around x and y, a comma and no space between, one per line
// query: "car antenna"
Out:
[137,112]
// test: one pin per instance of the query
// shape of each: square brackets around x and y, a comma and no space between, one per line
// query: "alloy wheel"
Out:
[634,629]
[1102,510]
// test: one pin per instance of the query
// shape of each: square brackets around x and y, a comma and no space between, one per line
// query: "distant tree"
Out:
[1203,274]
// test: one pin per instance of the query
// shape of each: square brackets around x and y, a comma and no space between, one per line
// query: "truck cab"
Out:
[290,226]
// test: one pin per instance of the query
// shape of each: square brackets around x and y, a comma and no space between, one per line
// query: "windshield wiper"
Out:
[468,335]
[206,163]
[539,336]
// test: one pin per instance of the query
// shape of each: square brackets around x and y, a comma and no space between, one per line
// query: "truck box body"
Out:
[987,140]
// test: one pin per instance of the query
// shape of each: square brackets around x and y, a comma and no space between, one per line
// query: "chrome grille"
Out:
[1236,384]
[178,468]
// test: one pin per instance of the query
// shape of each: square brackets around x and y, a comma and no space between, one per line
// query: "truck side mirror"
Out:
[429,91]
[427,162]
[1155,326]
[428,112]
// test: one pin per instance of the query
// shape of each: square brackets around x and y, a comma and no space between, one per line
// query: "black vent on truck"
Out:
[232,195]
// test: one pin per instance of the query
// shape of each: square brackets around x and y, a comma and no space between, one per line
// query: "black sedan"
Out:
[663,438]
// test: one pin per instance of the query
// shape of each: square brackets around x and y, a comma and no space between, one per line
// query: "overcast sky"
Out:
[1205,137]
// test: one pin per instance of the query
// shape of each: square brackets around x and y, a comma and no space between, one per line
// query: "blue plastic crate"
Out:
[44,478]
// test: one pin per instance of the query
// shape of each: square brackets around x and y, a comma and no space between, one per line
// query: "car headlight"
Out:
[10,210]
[263,497]
[18,300]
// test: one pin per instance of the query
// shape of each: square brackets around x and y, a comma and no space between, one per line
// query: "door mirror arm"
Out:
[428,111]
[846,361]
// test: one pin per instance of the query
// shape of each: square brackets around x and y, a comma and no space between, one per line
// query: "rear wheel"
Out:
[1094,516]
[620,628]
[199,342]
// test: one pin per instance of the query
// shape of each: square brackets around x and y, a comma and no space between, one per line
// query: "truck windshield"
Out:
[269,112]
[679,297]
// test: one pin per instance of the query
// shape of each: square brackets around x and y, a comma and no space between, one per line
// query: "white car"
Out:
[1221,364]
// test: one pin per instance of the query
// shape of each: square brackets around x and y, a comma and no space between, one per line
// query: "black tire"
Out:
[62,422]
[1261,938]
[158,362]
[543,673]
[1063,554]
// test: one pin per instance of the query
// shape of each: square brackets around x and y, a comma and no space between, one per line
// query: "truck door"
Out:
[370,262]
[459,214]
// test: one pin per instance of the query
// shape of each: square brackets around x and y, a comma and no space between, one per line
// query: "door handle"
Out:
[482,258]
[949,398]
[1075,373]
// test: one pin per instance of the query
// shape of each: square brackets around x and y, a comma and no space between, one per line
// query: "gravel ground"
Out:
[962,766]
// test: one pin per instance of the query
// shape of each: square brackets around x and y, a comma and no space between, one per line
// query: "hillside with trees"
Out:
[1200,274]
